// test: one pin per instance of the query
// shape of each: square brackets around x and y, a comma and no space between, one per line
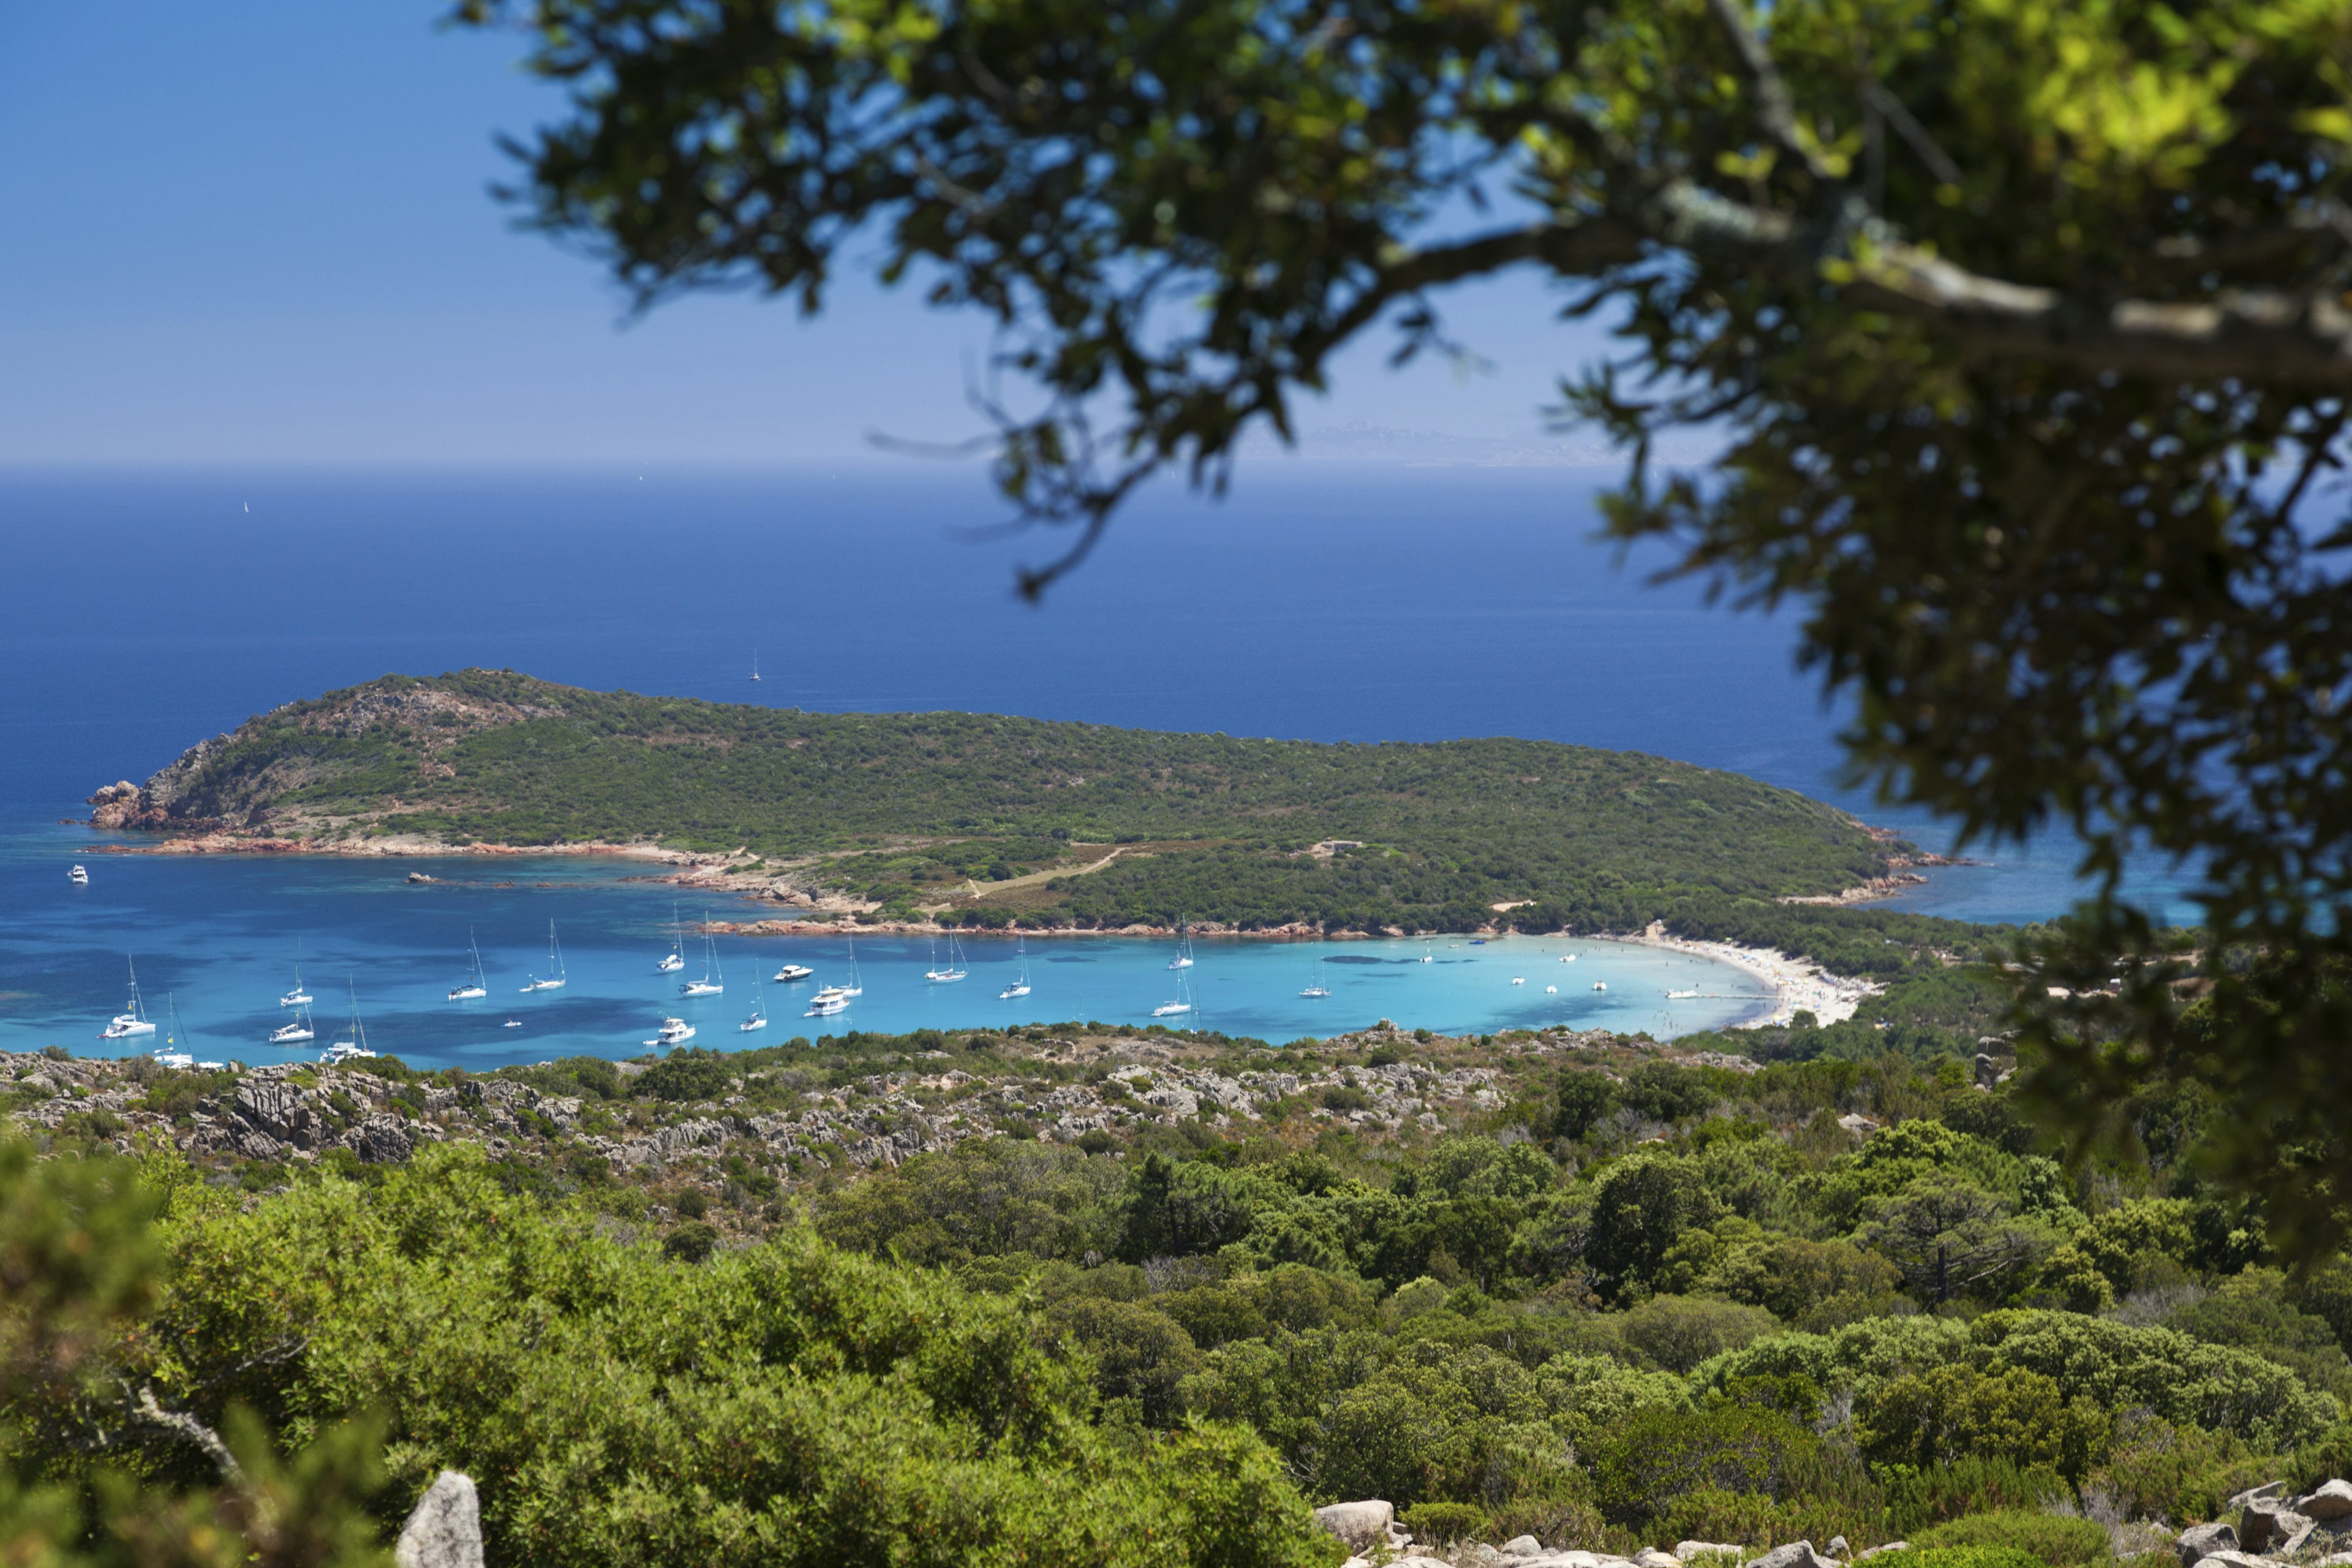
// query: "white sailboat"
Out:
[1182,1002]
[674,960]
[1020,987]
[713,981]
[755,664]
[954,971]
[297,1033]
[1183,959]
[1315,983]
[476,985]
[166,1056]
[356,1047]
[759,1018]
[554,979]
[300,996]
[133,1019]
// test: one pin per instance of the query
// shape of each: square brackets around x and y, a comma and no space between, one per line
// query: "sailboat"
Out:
[298,997]
[163,1055]
[755,664]
[554,980]
[133,1019]
[713,983]
[1183,1002]
[1183,959]
[476,985]
[1315,986]
[954,970]
[299,1032]
[357,1046]
[674,960]
[1020,987]
[759,1018]
[1428,953]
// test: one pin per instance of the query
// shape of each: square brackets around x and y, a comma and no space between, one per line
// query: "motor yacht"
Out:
[77,877]
[792,972]
[673,1032]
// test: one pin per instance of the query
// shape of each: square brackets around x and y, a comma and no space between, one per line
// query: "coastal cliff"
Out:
[982,819]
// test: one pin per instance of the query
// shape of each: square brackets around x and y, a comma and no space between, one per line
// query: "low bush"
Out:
[1443,1523]
[2055,1539]
[1920,1498]
[1661,1455]
[1958,1557]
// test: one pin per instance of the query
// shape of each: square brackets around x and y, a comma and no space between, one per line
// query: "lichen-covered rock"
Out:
[1358,1524]
[2201,1541]
[445,1529]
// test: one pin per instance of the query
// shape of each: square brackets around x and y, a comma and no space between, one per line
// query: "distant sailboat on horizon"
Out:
[1315,986]
[954,970]
[674,960]
[755,664]
[1020,987]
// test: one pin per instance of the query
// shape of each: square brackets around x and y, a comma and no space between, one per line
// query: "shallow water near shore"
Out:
[218,937]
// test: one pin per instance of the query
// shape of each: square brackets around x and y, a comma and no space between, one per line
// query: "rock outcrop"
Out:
[445,1529]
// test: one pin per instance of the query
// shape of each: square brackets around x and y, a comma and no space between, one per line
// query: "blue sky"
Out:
[261,232]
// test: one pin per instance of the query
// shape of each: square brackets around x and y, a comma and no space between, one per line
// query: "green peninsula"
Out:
[998,820]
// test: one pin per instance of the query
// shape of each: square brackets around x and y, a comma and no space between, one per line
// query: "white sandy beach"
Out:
[1798,985]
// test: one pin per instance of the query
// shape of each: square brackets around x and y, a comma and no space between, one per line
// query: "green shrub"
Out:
[1661,1455]
[1751,1518]
[1443,1523]
[2055,1539]
[1680,1331]
[1918,1498]
[692,1242]
[2157,1470]
[1958,1557]
[1957,1411]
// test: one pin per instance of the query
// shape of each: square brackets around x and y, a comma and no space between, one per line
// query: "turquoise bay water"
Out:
[218,938]
[1318,603]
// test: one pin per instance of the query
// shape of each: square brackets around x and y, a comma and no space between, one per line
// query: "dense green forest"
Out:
[949,811]
[1633,1301]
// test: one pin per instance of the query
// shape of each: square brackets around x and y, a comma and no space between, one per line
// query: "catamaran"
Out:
[476,985]
[673,1032]
[759,1018]
[954,971]
[1020,987]
[713,981]
[133,1019]
[554,980]
[356,1047]
[674,960]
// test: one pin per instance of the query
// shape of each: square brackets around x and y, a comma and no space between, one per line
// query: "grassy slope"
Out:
[908,808]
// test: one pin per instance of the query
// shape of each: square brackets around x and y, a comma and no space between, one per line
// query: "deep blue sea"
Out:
[143,610]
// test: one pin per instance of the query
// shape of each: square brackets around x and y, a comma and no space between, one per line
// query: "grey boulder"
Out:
[1523,1546]
[2332,1501]
[2201,1541]
[1796,1555]
[1359,1524]
[2269,1527]
[445,1528]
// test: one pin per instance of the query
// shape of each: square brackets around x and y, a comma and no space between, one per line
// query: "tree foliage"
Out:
[2025,322]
